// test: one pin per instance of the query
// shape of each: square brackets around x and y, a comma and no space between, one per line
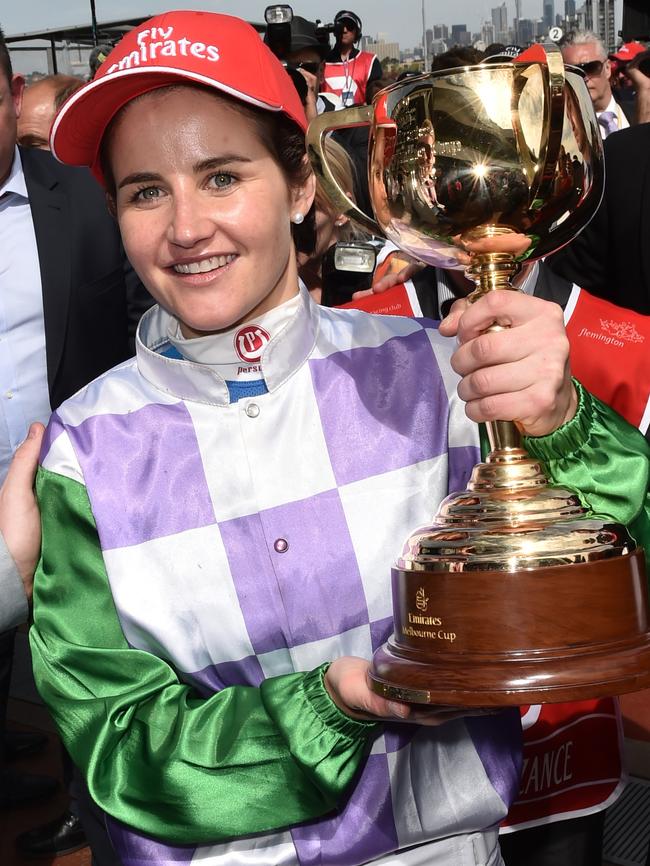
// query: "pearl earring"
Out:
[298,218]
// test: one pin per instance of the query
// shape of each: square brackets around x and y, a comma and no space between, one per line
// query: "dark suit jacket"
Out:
[92,299]
[611,257]
[549,287]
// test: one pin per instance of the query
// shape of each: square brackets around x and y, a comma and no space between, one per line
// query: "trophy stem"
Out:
[503,436]
[492,271]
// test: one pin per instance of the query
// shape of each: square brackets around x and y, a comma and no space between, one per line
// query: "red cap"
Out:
[192,47]
[628,51]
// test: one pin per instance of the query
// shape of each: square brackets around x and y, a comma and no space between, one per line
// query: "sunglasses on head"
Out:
[347,24]
[591,69]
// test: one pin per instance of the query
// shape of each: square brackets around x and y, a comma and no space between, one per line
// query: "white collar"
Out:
[612,106]
[15,183]
[285,353]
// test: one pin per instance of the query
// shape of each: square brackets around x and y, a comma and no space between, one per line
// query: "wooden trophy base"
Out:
[496,638]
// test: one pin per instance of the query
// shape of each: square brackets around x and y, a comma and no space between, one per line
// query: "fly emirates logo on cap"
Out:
[158,43]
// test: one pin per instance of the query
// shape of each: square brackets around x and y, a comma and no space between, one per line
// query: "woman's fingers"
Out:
[510,309]
[518,371]
[492,348]
[348,685]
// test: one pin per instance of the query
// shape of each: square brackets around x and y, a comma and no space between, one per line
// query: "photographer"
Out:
[349,71]
[631,79]
[301,45]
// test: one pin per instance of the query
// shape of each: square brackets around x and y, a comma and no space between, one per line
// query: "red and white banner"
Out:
[609,354]
[572,762]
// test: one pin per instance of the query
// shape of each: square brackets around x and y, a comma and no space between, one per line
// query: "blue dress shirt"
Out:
[24,395]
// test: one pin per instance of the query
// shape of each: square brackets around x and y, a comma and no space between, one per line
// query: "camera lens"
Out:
[312,67]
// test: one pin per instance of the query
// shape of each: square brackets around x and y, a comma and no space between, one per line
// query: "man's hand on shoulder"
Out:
[20,522]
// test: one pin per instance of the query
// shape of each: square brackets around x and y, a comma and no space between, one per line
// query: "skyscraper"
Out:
[599,17]
[549,14]
[459,34]
[526,31]
[500,23]
[517,19]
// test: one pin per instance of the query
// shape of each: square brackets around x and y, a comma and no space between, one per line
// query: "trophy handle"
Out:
[330,121]
[550,151]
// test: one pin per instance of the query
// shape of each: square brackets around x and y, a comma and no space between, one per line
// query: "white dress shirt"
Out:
[24,395]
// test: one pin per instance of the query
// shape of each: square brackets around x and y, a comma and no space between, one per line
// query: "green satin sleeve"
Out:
[157,756]
[605,460]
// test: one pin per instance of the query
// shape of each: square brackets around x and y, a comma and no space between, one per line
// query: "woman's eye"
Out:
[222,180]
[149,193]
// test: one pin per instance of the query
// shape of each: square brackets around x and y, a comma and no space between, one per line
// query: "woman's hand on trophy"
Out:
[520,370]
[347,684]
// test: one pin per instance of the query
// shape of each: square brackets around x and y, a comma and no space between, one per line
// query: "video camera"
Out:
[278,31]
[286,35]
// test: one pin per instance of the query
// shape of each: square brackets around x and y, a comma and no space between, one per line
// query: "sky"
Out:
[400,19]
[405,25]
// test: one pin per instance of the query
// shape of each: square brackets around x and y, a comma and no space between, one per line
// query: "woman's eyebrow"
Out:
[218,162]
[213,162]
[138,177]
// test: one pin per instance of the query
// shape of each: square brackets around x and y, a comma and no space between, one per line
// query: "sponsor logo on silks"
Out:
[622,330]
[250,342]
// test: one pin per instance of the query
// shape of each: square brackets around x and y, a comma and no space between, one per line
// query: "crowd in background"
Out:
[55,347]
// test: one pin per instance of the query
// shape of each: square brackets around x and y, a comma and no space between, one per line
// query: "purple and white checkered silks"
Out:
[275,531]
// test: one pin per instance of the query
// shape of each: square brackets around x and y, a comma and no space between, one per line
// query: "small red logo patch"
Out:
[250,342]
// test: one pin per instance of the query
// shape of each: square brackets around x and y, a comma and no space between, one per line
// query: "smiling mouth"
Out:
[204,266]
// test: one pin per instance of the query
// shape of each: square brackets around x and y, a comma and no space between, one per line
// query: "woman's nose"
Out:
[190,221]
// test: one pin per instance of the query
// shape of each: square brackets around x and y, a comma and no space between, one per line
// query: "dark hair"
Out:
[284,140]
[373,87]
[286,144]
[5,59]
[494,48]
[460,55]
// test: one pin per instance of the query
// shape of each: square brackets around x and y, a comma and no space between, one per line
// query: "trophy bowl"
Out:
[514,594]
[495,164]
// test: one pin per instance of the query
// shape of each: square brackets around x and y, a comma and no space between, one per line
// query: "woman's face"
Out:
[203,208]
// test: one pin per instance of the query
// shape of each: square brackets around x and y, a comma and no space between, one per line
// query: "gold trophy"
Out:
[514,594]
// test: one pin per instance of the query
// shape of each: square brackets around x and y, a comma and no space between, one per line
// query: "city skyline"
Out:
[406,28]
